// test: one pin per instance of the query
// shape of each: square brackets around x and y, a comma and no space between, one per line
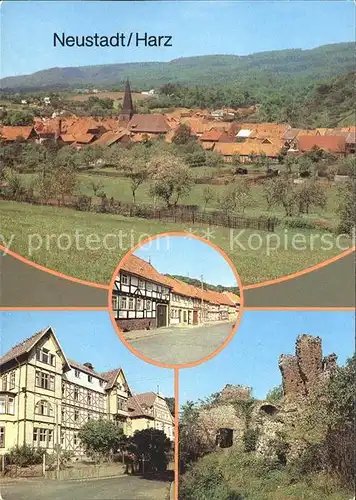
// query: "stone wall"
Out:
[303,372]
[231,391]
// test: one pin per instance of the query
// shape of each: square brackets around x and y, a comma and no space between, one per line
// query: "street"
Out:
[179,345]
[118,488]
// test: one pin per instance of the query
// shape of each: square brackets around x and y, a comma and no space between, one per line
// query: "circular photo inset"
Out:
[175,300]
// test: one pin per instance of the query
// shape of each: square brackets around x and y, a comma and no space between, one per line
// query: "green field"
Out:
[30,222]
[119,188]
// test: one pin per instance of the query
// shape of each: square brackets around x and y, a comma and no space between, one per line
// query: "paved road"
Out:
[122,488]
[180,345]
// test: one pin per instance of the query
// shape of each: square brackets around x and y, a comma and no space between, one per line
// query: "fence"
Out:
[177,214]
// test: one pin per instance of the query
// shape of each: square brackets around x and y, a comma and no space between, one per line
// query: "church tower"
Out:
[127,106]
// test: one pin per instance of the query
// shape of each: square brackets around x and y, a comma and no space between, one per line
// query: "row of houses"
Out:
[143,299]
[244,141]
[45,398]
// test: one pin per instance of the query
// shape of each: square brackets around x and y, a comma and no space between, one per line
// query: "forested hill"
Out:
[207,286]
[260,69]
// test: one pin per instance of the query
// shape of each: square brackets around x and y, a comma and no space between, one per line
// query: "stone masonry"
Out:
[231,391]
[305,370]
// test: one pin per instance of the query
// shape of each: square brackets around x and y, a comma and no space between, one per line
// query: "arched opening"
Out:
[269,409]
[225,437]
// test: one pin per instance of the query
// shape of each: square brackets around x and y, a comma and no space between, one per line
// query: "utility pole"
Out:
[202,298]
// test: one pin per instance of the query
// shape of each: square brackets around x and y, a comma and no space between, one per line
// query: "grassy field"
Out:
[31,224]
[119,188]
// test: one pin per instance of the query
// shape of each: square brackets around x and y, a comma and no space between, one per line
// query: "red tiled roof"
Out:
[9,133]
[141,268]
[139,404]
[154,123]
[109,138]
[211,135]
[330,143]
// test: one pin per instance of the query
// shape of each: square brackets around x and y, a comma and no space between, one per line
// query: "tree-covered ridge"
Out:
[264,68]
[207,286]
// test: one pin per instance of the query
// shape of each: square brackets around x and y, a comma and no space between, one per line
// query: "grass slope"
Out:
[97,263]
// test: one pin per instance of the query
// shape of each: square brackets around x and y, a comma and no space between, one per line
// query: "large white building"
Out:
[45,398]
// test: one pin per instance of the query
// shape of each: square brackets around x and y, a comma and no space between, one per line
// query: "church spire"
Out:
[127,106]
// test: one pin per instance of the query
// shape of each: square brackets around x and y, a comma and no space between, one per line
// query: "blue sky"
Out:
[251,358]
[197,28]
[87,336]
[188,257]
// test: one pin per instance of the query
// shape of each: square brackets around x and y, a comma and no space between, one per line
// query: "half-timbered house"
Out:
[140,298]
[45,398]
[150,410]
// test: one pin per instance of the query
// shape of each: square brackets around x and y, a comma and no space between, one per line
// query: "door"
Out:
[195,317]
[161,315]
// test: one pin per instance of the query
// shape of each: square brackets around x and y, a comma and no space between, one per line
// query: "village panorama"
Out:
[131,160]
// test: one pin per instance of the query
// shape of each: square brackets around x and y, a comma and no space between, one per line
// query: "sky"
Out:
[181,255]
[87,336]
[251,358]
[197,28]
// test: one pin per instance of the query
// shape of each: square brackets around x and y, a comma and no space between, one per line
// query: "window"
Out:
[131,304]
[2,404]
[121,404]
[101,383]
[42,437]
[141,284]
[148,305]
[44,380]
[123,302]
[44,408]
[124,279]
[44,356]
[76,393]
[89,398]
[139,304]
[90,378]
[77,373]
[76,415]
[115,302]
[149,286]
[89,416]
[7,405]
[75,438]
[2,437]
[4,382]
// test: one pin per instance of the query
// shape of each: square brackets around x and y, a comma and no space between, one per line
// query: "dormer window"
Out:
[90,378]
[77,373]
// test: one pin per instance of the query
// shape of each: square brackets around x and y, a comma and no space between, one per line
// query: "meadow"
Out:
[97,263]
[119,189]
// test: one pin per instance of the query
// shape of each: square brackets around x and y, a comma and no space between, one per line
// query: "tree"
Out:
[346,203]
[100,438]
[171,404]
[96,186]
[208,196]
[171,178]
[194,441]
[133,163]
[236,198]
[182,134]
[64,182]
[275,395]
[152,446]
[281,191]
[310,194]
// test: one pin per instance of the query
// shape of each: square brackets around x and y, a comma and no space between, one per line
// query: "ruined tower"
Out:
[127,105]
[304,371]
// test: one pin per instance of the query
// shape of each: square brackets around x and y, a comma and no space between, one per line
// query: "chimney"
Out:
[89,366]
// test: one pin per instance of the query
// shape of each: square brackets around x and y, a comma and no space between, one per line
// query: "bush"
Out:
[83,203]
[25,455]
[205,481]
[297,222]
[250,437]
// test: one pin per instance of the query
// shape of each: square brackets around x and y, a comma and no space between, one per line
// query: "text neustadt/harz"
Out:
[115,40]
